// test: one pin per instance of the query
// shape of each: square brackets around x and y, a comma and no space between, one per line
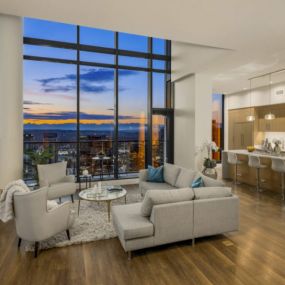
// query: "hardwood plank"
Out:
[254,255]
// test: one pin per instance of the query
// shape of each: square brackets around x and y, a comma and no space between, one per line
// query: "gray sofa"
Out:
[175,213]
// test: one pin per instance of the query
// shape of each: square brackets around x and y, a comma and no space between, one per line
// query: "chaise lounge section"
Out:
[177,214]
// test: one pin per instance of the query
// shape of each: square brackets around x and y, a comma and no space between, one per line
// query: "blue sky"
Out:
[50,88]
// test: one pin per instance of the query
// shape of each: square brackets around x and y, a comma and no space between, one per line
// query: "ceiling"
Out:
[253,30]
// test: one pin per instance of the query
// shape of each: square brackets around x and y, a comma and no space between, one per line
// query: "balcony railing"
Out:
[97,156]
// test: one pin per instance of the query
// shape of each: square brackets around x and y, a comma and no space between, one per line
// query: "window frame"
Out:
[150,56]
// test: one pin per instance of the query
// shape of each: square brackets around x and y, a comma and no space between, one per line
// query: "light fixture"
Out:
[251,116]
[269,116]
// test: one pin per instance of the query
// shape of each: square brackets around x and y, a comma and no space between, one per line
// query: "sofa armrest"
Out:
[210,182]
[172,222]
[216,216]
[143,175]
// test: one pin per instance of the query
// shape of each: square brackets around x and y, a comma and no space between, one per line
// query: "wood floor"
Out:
[254,255]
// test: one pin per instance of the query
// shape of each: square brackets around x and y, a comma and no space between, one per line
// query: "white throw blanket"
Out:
[6,199]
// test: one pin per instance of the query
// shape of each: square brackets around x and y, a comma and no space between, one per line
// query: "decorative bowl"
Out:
[250,148]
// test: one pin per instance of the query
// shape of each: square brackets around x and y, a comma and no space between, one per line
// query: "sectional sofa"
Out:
[176,212]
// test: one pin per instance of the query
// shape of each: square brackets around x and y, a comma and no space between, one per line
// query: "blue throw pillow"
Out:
[198,182]
[155,174]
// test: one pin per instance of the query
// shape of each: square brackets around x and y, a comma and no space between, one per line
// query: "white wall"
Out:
[193,118]
[184,123]
[11,99]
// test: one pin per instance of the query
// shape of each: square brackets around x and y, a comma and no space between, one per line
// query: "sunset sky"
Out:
[50,88]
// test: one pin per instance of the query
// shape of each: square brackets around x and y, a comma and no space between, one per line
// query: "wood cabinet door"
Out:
[243,135]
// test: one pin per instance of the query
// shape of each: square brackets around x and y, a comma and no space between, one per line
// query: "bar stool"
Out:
[278,165]
[254,161]
[232,159]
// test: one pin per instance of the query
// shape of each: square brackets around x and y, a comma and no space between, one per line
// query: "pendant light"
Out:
[269,116]
[251,116]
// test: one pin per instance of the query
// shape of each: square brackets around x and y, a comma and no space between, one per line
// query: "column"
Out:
[192,119]
[11,99]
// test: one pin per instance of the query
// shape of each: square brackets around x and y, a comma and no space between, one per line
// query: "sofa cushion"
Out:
[212,192]
[155,174]
[156,197]
[210,182]
[170,173]
[155,186]
[130,223]
[185,178]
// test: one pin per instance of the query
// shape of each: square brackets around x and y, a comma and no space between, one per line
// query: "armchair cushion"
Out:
[51,173]
[61,189]
[170,173]
[156,197]
[212,192]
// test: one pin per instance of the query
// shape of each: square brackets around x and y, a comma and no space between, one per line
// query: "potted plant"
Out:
[209,163]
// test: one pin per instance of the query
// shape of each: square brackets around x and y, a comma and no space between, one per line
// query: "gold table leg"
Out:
[109,210]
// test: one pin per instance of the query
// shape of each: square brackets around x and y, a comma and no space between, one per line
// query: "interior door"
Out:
[243,135]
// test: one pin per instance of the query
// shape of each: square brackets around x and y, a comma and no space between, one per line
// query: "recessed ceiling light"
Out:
[244,88]
[271,82]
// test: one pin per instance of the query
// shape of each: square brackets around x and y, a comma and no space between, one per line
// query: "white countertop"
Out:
[255,153]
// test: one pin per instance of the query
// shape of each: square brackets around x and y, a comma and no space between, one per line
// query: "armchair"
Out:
[34,222]
[54,177]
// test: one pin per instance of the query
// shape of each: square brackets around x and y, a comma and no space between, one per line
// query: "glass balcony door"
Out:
[97,121]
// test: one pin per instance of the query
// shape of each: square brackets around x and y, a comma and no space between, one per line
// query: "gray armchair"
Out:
[54,177]
[34,222]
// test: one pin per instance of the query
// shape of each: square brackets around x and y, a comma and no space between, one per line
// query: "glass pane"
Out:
[158,64]
[97,37]
[97,57]
[132,61]
[217,123]
[49,52]
[133,42]
[97,121]
[158,90]
[158,46]
[132,121]
[49,115]
[158,140]
[47,30]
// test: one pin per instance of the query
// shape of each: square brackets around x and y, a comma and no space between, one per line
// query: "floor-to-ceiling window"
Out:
[98,99]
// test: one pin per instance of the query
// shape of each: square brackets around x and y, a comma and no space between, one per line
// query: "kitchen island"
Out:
[271,179]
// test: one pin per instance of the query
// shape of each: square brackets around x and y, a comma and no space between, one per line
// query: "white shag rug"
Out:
[91,224]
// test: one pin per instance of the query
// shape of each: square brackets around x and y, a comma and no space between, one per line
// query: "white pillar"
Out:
[193,119]
[11,99]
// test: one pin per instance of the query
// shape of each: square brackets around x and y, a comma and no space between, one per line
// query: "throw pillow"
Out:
[198,182]
[155,174]
[170,173]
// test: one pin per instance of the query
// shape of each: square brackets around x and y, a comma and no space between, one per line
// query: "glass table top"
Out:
[106,194]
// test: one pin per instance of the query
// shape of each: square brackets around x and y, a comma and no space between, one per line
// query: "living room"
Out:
[142,143]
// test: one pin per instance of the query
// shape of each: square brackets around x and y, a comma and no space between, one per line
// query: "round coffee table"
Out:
[106,196]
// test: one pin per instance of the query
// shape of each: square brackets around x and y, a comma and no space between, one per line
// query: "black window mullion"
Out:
[78,105]
[116,111]
[148,159]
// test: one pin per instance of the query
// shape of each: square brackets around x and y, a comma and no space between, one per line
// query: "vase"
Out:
[210,172]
